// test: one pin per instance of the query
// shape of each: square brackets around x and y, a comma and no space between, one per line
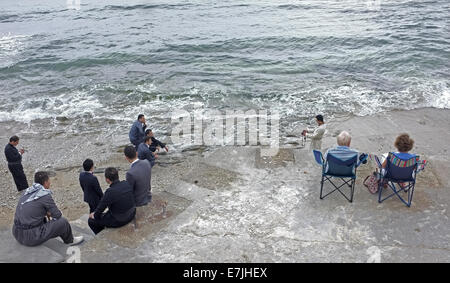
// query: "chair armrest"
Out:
[377,161]
[362,159]
[318,157]
[421,165]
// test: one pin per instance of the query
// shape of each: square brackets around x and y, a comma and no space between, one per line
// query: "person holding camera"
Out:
[14,158]
[316,135]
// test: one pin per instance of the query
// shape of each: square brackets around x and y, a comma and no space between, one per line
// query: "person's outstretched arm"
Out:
[317,134]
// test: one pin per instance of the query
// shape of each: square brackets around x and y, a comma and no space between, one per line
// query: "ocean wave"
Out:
[82,111]
[145,7]
[297,6]
[281,43]
[69,105]
[11,46]
[8,18]
[60,64]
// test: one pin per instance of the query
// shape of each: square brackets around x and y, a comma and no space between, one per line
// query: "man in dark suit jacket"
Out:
[14,158]
[137,131]
[139,177]
[119,199]
[144,152]
[91,187]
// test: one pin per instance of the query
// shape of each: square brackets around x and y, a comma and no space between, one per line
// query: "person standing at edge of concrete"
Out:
[91,187]
[119,199]
[137,131]
[316,135]
[144,152]
[14,158]
[38,219]
[139,177]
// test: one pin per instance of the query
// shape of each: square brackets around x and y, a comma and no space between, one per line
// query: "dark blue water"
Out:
[110,60]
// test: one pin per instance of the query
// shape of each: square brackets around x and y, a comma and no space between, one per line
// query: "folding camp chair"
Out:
[396,172]
[345,170]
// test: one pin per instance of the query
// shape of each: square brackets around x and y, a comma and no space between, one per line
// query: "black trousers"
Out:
[93,205]
[107,221]
[19,176]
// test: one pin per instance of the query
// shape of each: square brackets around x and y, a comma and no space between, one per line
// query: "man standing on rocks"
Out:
[139,177]
[316,135]
[119,199]
[137,132]
[37,217]
[92,191]
[14,158]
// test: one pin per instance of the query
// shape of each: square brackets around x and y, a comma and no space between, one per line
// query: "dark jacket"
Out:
[119,199]
[91,187]
[155,144]
[144,153]
[12,154]
[139,177]
[137,133]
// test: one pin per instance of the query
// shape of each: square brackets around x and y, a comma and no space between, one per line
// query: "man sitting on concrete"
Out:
[144,152]
[37,217]
[139,177]
[119,199]
[155,144]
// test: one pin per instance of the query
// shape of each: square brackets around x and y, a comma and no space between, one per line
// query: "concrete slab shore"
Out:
[231,205]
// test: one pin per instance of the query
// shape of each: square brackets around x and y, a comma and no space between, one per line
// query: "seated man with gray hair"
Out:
[343,150]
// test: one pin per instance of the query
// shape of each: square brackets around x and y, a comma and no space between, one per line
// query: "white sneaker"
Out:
[77,240]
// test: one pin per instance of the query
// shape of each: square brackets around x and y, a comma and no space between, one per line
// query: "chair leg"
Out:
[380,190]
[321,188]
[352,190]
[410,193]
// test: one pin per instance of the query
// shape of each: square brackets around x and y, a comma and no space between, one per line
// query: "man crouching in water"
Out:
[37,217]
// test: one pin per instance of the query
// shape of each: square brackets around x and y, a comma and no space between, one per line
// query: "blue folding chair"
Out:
[345,170]
[396,172]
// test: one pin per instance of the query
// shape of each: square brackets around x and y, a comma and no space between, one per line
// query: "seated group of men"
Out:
[144,141]
[38,219]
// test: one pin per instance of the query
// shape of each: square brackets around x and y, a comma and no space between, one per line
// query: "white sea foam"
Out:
[69,105]
[443,100]
[353,98]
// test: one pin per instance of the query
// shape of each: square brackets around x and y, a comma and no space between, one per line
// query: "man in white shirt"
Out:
[316,135]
